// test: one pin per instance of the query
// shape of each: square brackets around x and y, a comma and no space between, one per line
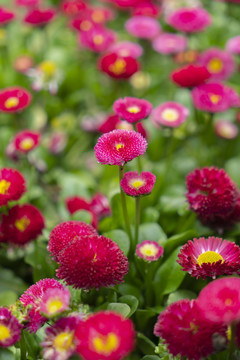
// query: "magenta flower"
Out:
[127,48]
[144,27]
[6,16]
[97,39]
[209,257]
[149,250]
[14,99]
[233,45]
[170,114]
[168,43]
[12,185]
[132,109]
[119,146]
[54,301]
[189,20]
[10,329]
[226,129]
[134,184]
[26,140]
[219,63]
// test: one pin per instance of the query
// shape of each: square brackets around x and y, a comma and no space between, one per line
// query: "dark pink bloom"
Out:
[26,140]
[226,129]
[39,17]
[168,43]
[14,99]
[10,328]
[76,203]
[92,261]
[190,75]
[127,48]
[100,205]
[189,20]
[118,67]
[149,250]
[73,7]
[101,15]
[144,27]
[109,123]
[54,301]
[132,109]
[12,185]
[119,146]
[170,114]
[27,3]
[209,257]
[220,300]
[146,8]
[6,16]
[97,39]
[186,331]
[105,335]
[134,184]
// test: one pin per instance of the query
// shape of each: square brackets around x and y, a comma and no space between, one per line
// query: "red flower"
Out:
[10,329]
[132,109]
[6,16]
[37,17]
[100,205]
[22,224]
[109,124]
[14,99]
[26,140]
[146,8]
[185,330]
[118,67]
[190,75]
[134,184]
[64,234]
[92,261]
[12,185]
[105,335]
[73,7]
[76,203]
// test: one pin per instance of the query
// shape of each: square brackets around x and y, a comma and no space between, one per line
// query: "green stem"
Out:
[138,158]
[23,347]
[232,344]
[137,221]
[124,205]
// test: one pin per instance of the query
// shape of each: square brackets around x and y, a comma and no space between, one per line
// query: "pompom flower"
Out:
[209,257]
[190,76]
[220,300]
[60,340]
[22,224]
[97,39]
[219,63]
[54,301]
[105,335]
[149,250]
[6,16]
[92,261]
[12,185]
[212,195]
[118,67]
[100,205]
[144,27]
[10,329]
[127,48]
[134,184]
[39,17]
[168,43]
[119,146]
[76,203]
[189,20]
[14,99]
[185,330]
[32,298]
[26,140]
[132,109]
[226,129]
[170,114]
[65,233]
[233,45]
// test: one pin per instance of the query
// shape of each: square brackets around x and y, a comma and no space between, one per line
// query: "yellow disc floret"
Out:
[119,146]
[215,65]
[4,332]
[105,345]
[137,183]
[63,341]
[53,306]
[118,67]
[215,98]
[22,224]
[11,102]
[4,186]
[209,257]
[26,144]
[134,109]
[148,250]
[170,115]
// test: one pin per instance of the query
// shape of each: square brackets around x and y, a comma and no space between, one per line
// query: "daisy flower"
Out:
[118,67]
[12,185]
[10,329]
[144,27]
[149,250]
[132,109]
[170,114]
[26,140]
[189,20]
[54,301]
[14,99]
[134,184]
[168,43]
[226,129]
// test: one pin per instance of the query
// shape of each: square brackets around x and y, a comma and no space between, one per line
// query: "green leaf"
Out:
[123,309]
[181,294]
[82,215]
[143,317]
[178,240]
[7,298]
[150,357]
[130,300]
[6,354]
[127,289]
[153,232]
[145,344]
[10,282]
[121,238]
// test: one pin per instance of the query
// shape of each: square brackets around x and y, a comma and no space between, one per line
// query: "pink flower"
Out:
[6,16]
[233,45]
[12,185]
[97,39]
[218,62]
[39,17]
[100,205]
[149,250]
[168,43]
[209,257]
[54,301]
[132,109]
[170,114]
[76,203]
[73,7]
[14,99]
[127,48]
[27,3]
[134,184]
[226,129]
[10,329]
[26,140]
[143,27]
[220,300]
[146,8]
[105,335]
[189,20]
[119,146]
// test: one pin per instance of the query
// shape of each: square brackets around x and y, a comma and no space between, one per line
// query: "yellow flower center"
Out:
[215,65]
[98,39]
[137,183]
[148,250]
[225,131]
[229,333]
[119,146]
[11,102]
[124,125]
[119,67]
[98,16]
[4,332]
[85,25]
[53,306]
[63,341]
[215,98]
[4,186]
[26,143]
[209,257]
[48,68]
[228,302]
[22,224]
[134,109]
[105,345]
[170,115]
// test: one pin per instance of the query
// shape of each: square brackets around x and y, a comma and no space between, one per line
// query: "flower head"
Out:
[39,17]
[209,257]
[149,250]
[220,300]
[170,114]
[12,185]
[73,7]
[127,48]
[97,39]
[119,146]
[26,140]
[27,3]
[76,203]
[132,109]
[65,233]
[105,335]
[22,224]
[190,75]
[226,129]
[23,63]
[146,8]
[233,45]
[100,205]
[32,299]
[134,184]
[189,20]
[144,27]
[118,67]
[54,302]
[10,329]
[186,331]
[6,16]
[92,261]
[14,99]
[168,43]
